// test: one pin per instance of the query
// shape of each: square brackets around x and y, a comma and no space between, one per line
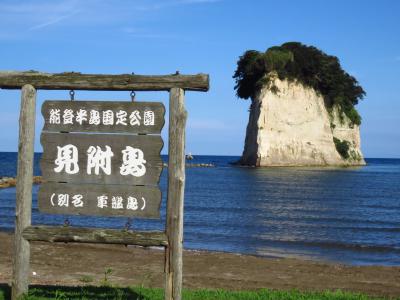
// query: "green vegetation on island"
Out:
[342,147]
[306,64]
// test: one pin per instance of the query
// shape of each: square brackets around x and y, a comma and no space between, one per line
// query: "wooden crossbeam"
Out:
[94,235]
[123,82]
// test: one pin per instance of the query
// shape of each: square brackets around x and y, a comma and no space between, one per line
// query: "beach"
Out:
[85,264]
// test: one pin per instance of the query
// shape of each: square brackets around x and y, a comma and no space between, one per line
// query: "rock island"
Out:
[302,110]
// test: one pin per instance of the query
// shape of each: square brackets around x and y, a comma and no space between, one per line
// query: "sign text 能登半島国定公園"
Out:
[103,116]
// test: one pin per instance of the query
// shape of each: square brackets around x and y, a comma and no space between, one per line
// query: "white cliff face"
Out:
[292,127]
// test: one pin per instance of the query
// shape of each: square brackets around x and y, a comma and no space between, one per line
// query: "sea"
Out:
[340,215]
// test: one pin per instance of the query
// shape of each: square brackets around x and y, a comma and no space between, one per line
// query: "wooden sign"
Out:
[103,116]
[79,179]
[101,158]
[100,200]
[111,173]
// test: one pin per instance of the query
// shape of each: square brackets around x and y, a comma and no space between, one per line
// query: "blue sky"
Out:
[208,36]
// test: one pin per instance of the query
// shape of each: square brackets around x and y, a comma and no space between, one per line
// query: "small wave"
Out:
[321,219]
[379,206]
[339,245]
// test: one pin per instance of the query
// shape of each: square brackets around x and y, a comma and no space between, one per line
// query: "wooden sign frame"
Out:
[171,238]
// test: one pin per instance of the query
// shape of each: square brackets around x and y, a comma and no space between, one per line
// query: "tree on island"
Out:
[306,64]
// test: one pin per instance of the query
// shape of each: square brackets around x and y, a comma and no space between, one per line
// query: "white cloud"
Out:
[54,20]
[18,18]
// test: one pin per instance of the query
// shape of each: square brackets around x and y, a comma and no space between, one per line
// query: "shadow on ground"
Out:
[67,292]
[5,291]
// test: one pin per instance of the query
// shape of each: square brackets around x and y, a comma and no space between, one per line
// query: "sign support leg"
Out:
[176,187]
[20,281]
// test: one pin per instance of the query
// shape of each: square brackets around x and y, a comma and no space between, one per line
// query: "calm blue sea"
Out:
[346,215]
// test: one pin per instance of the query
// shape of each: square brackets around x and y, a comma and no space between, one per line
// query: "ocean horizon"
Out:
[343,215]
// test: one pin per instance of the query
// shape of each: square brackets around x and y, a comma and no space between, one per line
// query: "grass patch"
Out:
[140,293]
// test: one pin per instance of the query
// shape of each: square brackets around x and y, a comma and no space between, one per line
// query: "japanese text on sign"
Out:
[133,162]
[94,117]
[103,116]
[103,201]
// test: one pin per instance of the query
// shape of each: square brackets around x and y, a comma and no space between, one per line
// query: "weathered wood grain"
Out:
[23,209]
[123,82]
[124,125]
[151,146]
[52,200]
[176,189]
[94,235]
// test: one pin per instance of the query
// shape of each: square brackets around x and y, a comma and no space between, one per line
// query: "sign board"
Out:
[98,158]
[101,158]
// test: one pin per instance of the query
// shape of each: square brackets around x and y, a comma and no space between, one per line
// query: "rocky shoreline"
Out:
[7,182]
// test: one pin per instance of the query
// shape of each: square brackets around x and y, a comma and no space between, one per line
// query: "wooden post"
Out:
[20,281]
[176,187]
